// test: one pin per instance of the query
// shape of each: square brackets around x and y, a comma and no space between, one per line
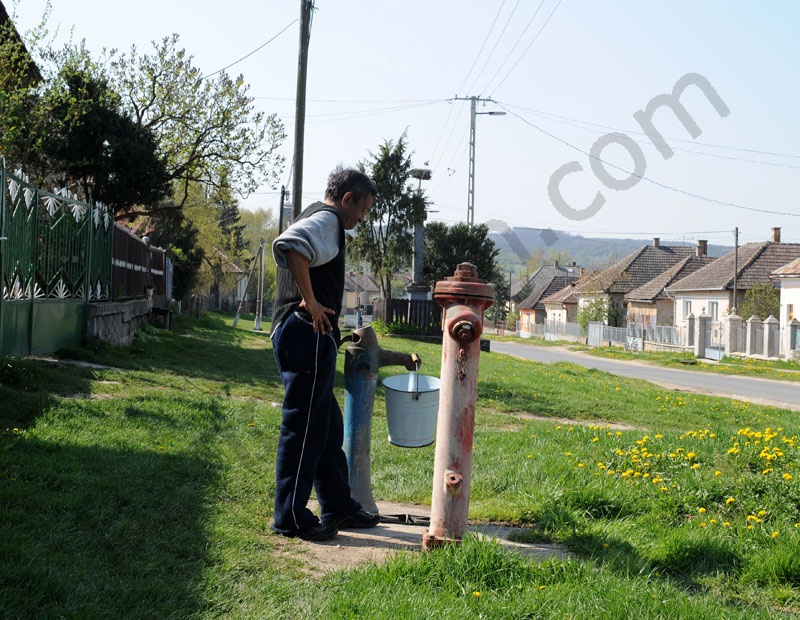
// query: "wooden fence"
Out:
[414,316]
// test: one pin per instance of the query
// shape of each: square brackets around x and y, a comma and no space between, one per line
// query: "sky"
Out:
[569,74]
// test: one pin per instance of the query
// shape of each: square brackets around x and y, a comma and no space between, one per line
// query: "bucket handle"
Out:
[417,362]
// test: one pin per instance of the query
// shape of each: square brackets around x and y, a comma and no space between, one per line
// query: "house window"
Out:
[713,310]
[789,312]
[687,307]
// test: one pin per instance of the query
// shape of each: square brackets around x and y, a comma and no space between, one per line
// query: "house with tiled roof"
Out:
[650,304]
[633,271]
[788,276]
[544,282]
[710,290]
[522,290]
[562,306]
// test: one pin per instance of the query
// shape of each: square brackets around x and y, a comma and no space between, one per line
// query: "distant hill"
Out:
[588,252]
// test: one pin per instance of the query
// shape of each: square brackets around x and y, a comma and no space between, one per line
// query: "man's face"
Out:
[355,211]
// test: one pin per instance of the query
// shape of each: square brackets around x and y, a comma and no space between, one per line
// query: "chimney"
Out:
[656,242]
[702,248]
[776,235]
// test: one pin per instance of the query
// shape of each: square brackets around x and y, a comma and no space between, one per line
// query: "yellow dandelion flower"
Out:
[730,500]
[726,524]
[701,510]
[718,473]
[761,513]
[696,466]
[774,535]
[476,594]
[787,476]
[542,587]
[703,524]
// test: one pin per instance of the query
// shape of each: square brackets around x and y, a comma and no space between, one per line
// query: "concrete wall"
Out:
[117,322]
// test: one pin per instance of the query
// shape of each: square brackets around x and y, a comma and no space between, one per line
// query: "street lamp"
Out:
[418,289]
[471,188]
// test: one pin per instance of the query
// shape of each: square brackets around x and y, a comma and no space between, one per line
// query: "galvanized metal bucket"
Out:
[412,405]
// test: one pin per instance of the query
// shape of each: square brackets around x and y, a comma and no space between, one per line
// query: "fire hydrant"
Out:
[362,359]
[464,298]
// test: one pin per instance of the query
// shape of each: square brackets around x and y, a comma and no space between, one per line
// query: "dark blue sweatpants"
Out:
[310,443]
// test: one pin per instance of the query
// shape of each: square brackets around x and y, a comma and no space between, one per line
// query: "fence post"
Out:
[771,330]
[753,324]
[690,329]
[700,335]
[732,344]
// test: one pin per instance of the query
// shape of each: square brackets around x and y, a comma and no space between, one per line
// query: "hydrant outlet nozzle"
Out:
[466,328]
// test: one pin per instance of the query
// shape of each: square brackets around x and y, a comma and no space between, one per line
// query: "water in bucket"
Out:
[412,405]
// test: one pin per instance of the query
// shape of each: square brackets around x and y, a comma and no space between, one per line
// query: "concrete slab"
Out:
[351,548]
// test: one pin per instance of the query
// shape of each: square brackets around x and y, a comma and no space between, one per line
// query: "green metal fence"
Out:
[55,257]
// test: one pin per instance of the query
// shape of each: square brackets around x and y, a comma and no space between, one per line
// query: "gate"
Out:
[594,333]
[714,340]
[55,257]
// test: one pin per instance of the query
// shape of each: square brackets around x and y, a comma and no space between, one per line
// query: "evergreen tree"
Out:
[385,241]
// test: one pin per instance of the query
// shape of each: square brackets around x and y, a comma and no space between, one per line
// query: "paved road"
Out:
[783,394]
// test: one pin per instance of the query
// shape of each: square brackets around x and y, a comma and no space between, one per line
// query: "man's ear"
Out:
[348,197]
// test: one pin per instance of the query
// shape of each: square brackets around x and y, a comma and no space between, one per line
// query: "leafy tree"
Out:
[260,224]
[23,116]
[597,309]
[385,241]
[762,300]
[169,228]
[95,145]
[205,127]
[446,247]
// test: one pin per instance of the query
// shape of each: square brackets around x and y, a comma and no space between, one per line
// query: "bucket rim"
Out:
[420,389]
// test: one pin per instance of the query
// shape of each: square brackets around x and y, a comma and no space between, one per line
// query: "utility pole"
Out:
[473,112]
[306,7]
[280,212]
[735,262]
[259,301]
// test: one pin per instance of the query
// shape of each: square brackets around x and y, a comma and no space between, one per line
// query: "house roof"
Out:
[790,269]
[636,269]
[33,71]
[542,276]
[756,261]
[654,290]
[565,296]
[362,281]
[553,280]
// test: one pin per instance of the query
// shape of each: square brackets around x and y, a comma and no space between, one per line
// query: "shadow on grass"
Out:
[30,387]
[205,348]
[92,532]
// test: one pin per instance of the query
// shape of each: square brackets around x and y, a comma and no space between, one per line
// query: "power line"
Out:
[695,142]
[535,38]
[260,47]
[499,38]
[649,180]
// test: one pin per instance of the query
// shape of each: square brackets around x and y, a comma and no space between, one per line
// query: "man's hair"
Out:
[343,180]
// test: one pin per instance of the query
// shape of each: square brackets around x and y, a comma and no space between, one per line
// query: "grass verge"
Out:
[139,485]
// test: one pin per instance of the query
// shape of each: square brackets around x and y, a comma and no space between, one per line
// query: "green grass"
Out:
[140,485]
[779,370]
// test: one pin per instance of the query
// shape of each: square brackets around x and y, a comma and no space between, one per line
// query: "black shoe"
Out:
[360,520]
[319,532]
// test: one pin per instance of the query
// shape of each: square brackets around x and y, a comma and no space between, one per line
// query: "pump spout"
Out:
[395,358]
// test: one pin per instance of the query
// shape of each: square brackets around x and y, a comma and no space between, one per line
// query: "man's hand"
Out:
[319,315]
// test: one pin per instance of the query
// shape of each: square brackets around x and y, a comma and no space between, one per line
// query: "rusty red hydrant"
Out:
[464,297]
